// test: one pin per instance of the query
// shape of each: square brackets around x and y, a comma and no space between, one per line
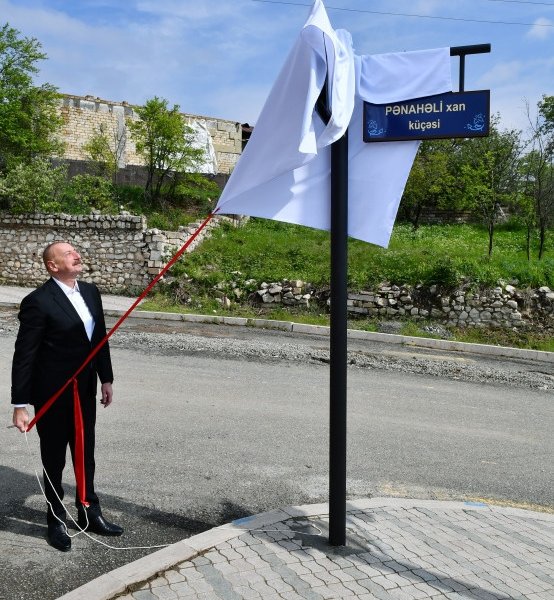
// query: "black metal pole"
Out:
[339,296]
[338,341]
[462,52]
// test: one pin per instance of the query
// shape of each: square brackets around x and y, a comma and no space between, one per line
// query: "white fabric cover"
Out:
[284,172]
[203,140]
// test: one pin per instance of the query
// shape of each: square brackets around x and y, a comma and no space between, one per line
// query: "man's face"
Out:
[65,261]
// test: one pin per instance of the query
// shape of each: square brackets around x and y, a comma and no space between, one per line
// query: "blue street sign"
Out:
[450,115]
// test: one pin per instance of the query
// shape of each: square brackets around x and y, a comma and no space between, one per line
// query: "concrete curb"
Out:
[120,580]
[354,334]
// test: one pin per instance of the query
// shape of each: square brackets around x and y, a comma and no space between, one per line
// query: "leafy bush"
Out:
[84,193]
[444,273]
[33,187]
[131,198]
[195,190]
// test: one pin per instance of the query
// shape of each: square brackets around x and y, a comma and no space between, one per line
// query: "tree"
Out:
[164,140]
[34,186]
[106,149]
[539,168]
[29,118]
[546,112]
[490,174]
[431,181]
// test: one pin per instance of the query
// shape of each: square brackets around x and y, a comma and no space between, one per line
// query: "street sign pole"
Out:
[338,341]
[339,296]
[462,52]
[338,334]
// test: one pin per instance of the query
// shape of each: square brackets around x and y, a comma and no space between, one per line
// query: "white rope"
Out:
[83,531]
[80,530]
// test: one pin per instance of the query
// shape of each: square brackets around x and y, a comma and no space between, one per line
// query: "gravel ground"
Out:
[271,348]
[268,351]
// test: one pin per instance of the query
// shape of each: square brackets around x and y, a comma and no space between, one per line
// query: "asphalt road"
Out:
[194,440]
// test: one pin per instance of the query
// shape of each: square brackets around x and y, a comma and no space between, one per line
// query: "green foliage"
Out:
[546,112]
[131,198]
[32,187]
[442,255]
[169,219]
[28,114]
[445,272]
[431,181]
[196,191]
[178,211]
[105,151]
[165,142]
[84,193]
[538,171]
[490,173]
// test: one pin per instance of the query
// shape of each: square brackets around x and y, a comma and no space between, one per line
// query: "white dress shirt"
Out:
[74,296]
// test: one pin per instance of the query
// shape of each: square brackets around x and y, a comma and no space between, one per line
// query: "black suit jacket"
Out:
[52,344]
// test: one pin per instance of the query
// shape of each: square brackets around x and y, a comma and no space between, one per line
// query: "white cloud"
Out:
[425,7]
[542,29]
[196,10]
[501,73]
[529,81]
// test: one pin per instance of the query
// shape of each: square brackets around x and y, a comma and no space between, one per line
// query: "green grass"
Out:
[446,255]
[514,339]
[205,305]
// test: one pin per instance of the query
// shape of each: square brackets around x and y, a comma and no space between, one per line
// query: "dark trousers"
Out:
[56,430]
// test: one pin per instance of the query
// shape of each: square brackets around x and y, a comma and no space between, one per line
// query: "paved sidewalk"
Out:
[396,549]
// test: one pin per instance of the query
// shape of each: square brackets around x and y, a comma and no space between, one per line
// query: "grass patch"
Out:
[505,337]
[208,306]
[444,255]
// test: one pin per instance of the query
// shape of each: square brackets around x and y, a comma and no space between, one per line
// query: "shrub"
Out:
[444,273]
[33,187]
[131,198]
[84,193]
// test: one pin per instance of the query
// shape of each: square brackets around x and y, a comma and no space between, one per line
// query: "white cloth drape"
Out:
[284,172]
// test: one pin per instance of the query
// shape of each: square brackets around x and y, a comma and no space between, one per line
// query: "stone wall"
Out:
[119,253]
[502,307]
[85,116]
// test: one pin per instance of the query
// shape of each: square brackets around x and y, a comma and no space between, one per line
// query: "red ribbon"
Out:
[79,451]
[79,430]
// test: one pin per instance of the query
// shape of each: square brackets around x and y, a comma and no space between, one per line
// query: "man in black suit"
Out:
[60,323]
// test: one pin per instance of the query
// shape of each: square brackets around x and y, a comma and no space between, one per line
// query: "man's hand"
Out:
[20,419]
[107,394]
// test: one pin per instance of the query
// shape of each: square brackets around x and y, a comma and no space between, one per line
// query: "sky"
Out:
[220,58]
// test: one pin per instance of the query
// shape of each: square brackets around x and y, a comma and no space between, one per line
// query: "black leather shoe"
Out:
[97,524]
[58,538]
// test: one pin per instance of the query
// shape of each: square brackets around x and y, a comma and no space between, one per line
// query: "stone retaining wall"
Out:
[505,306]
[119,253]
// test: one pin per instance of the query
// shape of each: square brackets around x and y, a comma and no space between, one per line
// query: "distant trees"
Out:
[105,149]
[504,171]
[489,174]
[29,120]
[165,142]
[538,169]
[431,182]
